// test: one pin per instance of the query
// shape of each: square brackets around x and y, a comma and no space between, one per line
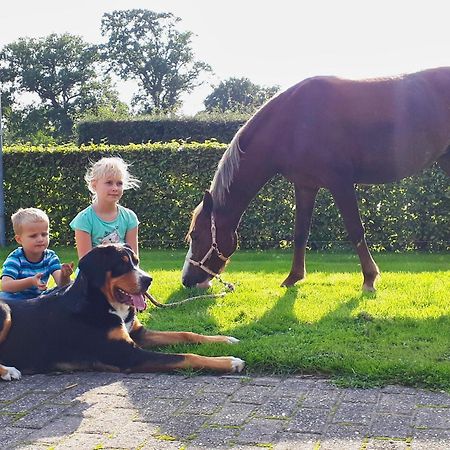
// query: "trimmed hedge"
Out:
[157,130]
[411,214]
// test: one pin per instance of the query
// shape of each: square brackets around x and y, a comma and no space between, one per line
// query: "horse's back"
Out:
[376,130]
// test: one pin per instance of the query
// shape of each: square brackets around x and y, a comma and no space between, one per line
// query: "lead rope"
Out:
[229,287]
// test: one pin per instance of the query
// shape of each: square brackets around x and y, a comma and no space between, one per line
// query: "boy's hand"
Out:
[36,281]
[67,269]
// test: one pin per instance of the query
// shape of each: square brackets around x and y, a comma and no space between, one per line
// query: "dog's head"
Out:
[114,270]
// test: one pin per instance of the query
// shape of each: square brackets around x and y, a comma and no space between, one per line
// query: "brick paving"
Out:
[159,411]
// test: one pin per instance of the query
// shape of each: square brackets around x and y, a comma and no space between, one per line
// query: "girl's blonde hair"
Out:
[110,166]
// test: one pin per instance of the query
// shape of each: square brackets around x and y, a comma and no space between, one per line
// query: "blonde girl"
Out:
[105,220]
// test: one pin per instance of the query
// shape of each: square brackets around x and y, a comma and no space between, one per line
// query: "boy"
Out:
[27,269]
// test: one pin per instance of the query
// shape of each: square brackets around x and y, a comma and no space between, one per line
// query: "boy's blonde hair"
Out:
[110,166]
[24,216]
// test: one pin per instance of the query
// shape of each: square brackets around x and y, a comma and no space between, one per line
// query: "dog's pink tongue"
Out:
[139,302]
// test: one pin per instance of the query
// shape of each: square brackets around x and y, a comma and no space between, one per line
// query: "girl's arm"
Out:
[83,242]
[131,238]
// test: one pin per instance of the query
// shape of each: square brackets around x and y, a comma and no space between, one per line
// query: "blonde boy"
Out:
[27,269]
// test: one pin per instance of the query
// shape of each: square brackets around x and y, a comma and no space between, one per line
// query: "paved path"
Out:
[159,411]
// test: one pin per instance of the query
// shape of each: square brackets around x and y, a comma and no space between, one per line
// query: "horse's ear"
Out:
[207,202]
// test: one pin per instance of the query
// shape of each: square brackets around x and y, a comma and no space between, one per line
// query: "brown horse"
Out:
[323,132]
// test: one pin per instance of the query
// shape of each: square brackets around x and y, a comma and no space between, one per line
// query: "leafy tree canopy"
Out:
[146,46]
[61,71]
[238,95]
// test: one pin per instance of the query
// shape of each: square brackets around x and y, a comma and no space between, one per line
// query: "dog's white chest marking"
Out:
[123,311]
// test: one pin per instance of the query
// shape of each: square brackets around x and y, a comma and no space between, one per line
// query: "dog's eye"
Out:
[120,268]
[130,260]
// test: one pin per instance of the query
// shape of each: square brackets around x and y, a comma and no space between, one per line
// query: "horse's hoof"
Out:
[291,280]
[369,282]
[367,288]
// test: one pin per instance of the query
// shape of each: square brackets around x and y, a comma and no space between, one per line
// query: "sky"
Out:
[270,42]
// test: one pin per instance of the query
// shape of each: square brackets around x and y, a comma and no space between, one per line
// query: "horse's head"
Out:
[212,242]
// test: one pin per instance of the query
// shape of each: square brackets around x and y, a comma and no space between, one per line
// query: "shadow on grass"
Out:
[348,343]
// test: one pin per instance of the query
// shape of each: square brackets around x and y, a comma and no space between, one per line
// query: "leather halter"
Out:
[213,248]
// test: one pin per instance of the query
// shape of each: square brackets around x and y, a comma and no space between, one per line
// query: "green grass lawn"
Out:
[326,325]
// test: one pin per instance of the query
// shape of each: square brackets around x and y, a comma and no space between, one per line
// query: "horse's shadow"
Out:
[282,327]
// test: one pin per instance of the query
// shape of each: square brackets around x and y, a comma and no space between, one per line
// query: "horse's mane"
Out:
[225,171]
[195,213]
[222,178]
[230,160]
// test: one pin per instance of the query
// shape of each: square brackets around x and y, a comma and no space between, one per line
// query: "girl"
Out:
[105,221]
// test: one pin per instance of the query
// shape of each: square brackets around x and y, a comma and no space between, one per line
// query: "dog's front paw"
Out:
[237,364]
[11,374]
[231,340]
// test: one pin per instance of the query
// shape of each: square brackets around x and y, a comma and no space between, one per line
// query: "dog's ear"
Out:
[76,295]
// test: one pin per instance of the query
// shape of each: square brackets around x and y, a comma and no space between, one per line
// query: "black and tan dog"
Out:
[92,325]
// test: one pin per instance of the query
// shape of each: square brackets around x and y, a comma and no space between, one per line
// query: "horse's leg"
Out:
[304,204]
[345,198]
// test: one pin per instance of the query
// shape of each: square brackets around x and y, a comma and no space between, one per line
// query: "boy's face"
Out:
[34,238]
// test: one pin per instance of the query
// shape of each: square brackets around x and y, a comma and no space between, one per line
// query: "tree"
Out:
[62,71]
[29,124]
[145,46]
[238,95]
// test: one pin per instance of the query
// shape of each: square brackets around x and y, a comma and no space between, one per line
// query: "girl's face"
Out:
[109,189]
